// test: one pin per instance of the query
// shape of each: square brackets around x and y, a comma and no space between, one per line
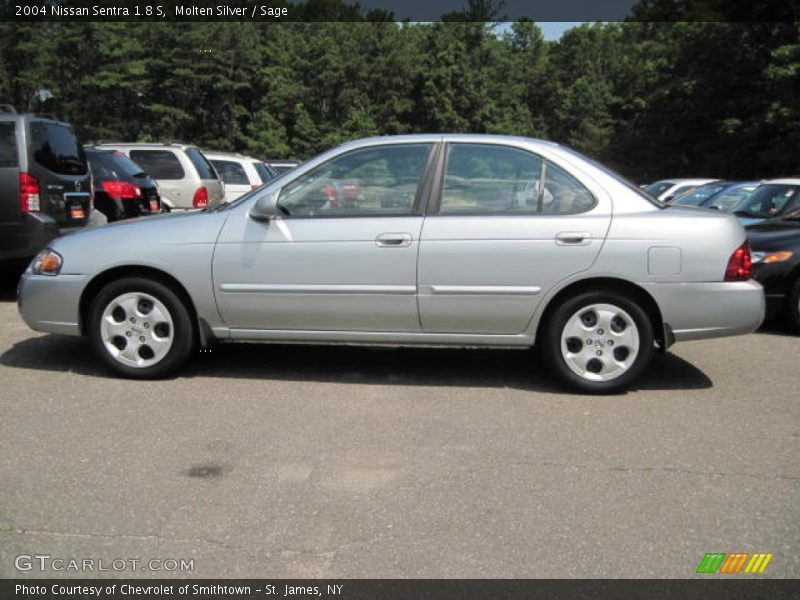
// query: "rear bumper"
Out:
[696,311]
[51,304]
[21,240]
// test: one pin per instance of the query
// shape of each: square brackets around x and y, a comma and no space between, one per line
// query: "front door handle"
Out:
[393,240]
[573,238]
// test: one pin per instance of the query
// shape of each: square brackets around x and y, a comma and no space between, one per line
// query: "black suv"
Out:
[122,190]
[45,186]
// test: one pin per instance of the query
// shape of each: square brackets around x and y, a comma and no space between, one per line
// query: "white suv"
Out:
[239,173]
[184,176]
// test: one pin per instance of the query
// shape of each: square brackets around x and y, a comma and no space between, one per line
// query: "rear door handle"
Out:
[393,240]
[573,238]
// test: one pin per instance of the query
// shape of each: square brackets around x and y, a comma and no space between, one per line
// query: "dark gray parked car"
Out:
[45,187]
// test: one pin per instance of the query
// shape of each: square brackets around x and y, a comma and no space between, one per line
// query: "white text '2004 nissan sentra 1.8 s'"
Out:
[445,240]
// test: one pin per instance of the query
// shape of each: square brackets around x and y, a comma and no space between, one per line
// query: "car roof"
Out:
[448,137]
[212,154]
[178,145]
[784,181]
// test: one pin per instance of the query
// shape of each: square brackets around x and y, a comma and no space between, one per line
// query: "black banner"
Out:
[398,10]
[384,589]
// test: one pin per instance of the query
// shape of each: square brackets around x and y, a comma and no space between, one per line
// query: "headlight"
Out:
[47,262]
[770,257]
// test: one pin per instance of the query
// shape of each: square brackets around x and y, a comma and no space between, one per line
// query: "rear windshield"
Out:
[8,145]
[56,148]
[113,165]
[231,172]
[200,162]
[160,164]
[263,172]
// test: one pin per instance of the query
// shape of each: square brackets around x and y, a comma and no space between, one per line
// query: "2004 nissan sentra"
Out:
[446,240]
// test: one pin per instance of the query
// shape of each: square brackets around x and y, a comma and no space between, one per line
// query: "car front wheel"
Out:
[598,342]
[141,328]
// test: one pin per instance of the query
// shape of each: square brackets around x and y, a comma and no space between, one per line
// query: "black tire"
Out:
[183,331]
[551,344]
[793,308]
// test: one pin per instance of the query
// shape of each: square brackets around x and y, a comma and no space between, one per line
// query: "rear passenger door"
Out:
[505,226]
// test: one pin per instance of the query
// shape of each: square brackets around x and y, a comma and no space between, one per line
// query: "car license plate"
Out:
[77,212]
[153,205]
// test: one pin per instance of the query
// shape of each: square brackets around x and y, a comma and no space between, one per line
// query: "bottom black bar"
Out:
[407,589]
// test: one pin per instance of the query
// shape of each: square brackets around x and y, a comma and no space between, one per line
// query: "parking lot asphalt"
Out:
[287,461]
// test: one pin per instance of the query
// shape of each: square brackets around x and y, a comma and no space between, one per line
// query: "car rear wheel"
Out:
[141,328]
[598,342]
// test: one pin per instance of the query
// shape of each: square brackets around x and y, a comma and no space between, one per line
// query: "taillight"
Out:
[200,199]
[739,265]
[28,193]
[121,189]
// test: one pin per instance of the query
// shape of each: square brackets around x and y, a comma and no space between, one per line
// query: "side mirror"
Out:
[264,208]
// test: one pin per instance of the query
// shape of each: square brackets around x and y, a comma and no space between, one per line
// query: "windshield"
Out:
[658,188]
[769,200]
[730,198]
[698,195]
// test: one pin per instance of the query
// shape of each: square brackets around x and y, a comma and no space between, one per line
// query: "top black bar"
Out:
[399,10]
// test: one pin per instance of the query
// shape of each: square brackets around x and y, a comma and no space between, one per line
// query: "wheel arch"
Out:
[663,334]
[105,277]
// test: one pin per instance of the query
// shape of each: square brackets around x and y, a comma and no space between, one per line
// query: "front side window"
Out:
[159,164]
[56,148]
[490,179]
[231,172]
[381,180]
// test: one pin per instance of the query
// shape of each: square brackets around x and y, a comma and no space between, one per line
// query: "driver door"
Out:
[340,254]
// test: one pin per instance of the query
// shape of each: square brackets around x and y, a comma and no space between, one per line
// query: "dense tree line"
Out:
[651,99]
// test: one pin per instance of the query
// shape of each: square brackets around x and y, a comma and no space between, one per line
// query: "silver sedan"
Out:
[443,240]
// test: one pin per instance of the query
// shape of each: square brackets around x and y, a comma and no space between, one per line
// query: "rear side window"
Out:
[200,162]
[160,164]
[489,179]
[8,145]
[56,148]
[231,172]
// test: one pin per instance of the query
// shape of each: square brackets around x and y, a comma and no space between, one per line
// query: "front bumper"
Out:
[51,304]
[696,311]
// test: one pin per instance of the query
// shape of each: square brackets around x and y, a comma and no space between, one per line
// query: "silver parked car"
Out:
[185,177]
[446,240]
